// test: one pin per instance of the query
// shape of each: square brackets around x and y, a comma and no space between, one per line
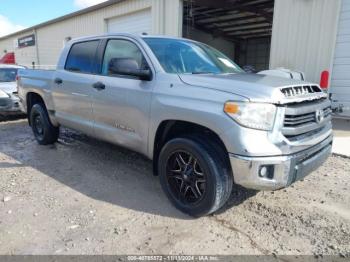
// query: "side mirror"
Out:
[128,67]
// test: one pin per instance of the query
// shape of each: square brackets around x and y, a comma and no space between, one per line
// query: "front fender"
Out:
[196,105]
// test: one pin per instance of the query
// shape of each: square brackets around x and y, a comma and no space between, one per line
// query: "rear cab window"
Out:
[81,57]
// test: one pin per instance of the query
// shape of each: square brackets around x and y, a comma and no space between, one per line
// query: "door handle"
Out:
[99,86]
[58,81]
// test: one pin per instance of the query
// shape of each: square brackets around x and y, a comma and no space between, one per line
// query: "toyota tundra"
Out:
[206,124]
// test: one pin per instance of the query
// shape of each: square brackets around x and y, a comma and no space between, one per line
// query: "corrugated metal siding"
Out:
[24,56]
[6,44]
[166,19]
[303,37]
[341,66]
[138,23]
[51,37]
[173,18]
[340,84]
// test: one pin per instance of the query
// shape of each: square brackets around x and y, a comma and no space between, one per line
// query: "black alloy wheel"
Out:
[185,177]
[194,175]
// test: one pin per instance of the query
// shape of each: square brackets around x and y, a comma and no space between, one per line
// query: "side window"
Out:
[122,52]
[81,57]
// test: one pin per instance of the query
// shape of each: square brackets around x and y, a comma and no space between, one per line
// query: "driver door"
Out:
[121,103]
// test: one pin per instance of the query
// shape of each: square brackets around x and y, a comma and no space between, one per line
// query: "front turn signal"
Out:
[231,108]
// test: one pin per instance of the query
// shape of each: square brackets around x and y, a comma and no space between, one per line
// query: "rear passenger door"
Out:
[73,87]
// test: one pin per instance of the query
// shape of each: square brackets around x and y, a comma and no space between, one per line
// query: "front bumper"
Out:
[283,170]
[10,105]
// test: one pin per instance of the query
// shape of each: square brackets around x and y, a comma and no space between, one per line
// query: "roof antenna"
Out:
[144,33]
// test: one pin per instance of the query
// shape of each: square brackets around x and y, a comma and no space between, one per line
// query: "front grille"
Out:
[303,119]
[295,91]
[302,136]
[306,119]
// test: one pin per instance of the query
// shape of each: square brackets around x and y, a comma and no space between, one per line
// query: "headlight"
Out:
[253,115]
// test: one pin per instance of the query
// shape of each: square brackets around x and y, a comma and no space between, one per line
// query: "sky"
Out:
[16,15]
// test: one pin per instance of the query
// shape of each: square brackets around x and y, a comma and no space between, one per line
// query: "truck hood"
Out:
[259,88]
[3,94]
[8,87]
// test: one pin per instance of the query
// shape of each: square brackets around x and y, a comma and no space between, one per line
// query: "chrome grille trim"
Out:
[290,120]
[297,120]
[300,120]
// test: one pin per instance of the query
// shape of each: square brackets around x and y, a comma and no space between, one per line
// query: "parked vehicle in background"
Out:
[206,124]
[9,100]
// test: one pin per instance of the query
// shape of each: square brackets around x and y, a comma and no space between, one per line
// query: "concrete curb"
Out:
[340,155]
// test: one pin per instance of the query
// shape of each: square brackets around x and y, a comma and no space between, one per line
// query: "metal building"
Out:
[312,36]
[41,44]
[304,35]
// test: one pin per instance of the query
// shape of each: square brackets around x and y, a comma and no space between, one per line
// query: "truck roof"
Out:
[139,36]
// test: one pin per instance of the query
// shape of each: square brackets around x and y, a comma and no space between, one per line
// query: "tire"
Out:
[45,133]
[203,185]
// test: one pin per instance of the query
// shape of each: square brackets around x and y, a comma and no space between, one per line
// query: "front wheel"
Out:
[45,133]
[194,175]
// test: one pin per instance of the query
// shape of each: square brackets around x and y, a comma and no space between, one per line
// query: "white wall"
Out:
[304,33]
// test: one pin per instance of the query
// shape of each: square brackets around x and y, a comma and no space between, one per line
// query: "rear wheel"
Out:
[194,176]
[45,133]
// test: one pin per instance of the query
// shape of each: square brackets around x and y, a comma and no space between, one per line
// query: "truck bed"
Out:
[36,78]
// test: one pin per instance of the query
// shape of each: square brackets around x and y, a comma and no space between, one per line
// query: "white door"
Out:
[136,23]
[340,84]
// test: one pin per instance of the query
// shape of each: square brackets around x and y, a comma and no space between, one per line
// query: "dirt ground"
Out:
[83,196]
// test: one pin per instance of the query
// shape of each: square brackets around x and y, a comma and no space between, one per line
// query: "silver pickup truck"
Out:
[206,125]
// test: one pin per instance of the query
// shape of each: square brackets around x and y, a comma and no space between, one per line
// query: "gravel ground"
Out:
[83,196]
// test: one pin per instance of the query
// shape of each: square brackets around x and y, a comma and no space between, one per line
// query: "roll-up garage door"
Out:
[136,23]
[340,84]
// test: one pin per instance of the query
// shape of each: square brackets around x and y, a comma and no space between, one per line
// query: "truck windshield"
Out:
[179,56]
[8,74]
